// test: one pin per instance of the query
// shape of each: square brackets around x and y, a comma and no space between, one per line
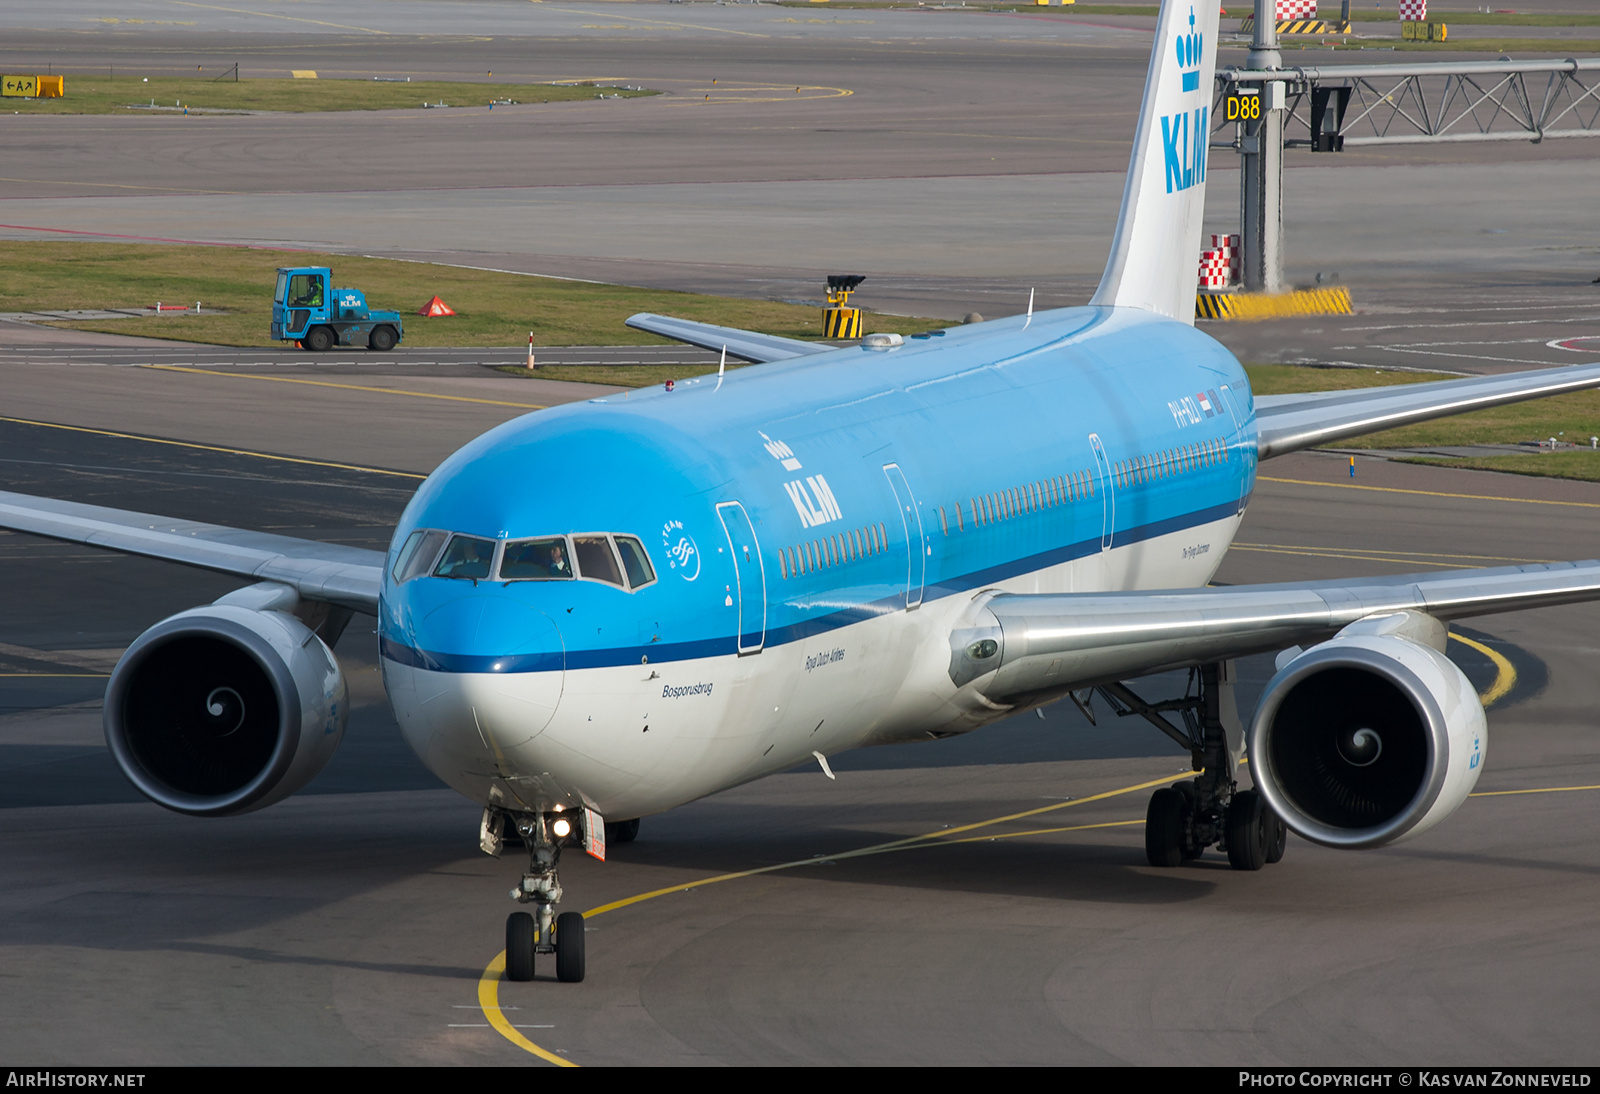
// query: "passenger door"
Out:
[750,588]
[916,539]
[1108,493]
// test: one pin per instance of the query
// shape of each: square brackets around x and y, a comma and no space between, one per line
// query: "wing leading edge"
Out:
[1052,642]
[349,577]
[1288,423]
[747,345]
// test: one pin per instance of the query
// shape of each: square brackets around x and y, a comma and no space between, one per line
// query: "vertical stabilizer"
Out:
[1157,247]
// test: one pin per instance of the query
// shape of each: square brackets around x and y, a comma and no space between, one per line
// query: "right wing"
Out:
[347,576]
[1056,641]
[748,345]
[1288,423]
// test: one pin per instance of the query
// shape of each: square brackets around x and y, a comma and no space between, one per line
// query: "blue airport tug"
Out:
[307,309]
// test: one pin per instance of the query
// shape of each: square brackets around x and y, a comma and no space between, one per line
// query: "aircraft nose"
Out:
[493,677]
[490,633]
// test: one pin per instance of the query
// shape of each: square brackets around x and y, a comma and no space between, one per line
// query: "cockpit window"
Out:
[467,556]
[536,560]
[417,556]
[596,560]
[635,562]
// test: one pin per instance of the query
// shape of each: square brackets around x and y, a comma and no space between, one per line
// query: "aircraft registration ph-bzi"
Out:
[895,541]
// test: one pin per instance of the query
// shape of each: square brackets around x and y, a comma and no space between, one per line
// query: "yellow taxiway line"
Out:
[215,448]
[494,972]
[347,387]
[1428,493]
[1505,677]
[272,15]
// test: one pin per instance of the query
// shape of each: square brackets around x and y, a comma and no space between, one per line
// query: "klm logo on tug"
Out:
[1184,134]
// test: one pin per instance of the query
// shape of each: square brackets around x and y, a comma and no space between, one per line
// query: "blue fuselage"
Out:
[800,498]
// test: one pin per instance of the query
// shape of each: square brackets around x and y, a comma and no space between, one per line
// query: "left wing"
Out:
[1288,423]
[747,345]
[1052,642]
[349,577]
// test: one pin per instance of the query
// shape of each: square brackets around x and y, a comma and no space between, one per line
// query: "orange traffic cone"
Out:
[436,307]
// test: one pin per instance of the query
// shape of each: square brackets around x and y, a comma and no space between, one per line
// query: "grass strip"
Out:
[107,95]
[1574,417]
[492,309]
[1584,466]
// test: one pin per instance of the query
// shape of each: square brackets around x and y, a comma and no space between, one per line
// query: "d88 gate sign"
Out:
[1243,106]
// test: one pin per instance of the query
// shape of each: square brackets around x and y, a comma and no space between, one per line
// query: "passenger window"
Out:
[595,560]
[417,556]
[467,556]
[536,560]
[635,562]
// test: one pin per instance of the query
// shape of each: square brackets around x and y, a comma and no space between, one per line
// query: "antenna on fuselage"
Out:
[721,365]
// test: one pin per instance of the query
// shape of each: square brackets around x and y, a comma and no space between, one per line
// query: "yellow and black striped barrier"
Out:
[841,322]
[1299,26]
[1247,306]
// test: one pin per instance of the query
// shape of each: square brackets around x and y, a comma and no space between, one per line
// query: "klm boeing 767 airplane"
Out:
[896,541]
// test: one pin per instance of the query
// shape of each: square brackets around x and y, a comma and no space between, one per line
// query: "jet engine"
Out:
[225,709]
[1368,738]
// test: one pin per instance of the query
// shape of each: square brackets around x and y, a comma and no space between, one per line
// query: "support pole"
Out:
[1262,177]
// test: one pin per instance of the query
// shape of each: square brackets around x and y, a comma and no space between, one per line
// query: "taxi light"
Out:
[562,828]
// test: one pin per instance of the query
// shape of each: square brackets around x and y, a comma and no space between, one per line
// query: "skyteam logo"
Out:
[1184,135]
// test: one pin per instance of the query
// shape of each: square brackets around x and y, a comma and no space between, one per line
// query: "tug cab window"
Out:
[418,554]
[305,291]
[537,560]
[466,557]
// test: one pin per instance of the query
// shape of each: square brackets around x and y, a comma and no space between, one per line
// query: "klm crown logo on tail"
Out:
[1189,51]
[1184,135]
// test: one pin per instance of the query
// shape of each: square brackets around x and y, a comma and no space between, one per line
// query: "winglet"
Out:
[1156,249]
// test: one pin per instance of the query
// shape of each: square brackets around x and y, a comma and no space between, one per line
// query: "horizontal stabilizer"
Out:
[347,576]
[747,345]
[1288,423]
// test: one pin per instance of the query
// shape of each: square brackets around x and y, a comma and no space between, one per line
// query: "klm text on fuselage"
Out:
[1184,146]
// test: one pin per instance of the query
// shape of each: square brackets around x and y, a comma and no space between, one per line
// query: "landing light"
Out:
[562,828]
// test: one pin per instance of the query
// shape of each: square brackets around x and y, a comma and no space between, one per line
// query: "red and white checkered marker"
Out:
[1413,10]
[1218,266]
[1296,9]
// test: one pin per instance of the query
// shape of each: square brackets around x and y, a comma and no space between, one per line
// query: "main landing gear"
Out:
[1208,810]
[542,932]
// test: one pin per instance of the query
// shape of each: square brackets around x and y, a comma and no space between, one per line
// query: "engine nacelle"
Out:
[1367,739]
[224,709]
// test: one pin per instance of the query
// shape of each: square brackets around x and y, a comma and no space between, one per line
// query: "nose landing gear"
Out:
[542,932]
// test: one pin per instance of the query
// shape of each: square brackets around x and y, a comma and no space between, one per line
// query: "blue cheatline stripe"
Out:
[665,652]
